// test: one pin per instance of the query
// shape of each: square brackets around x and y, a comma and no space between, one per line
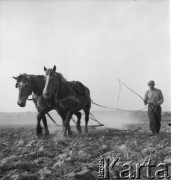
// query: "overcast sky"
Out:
[91,41]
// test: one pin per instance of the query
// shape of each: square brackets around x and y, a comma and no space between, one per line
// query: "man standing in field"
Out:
[154,98]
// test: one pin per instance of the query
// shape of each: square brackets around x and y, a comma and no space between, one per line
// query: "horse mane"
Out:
[73,86]
[21,77]
[61,76]
[38,83]
[65,85]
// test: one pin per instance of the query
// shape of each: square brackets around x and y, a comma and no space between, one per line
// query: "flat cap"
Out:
[151,82]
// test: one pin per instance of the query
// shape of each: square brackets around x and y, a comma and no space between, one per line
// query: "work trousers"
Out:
[154,114]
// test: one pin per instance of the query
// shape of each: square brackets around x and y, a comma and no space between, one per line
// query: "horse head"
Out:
[25,88]
[51,82]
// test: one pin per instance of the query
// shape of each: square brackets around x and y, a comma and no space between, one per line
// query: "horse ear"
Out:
[45,69]
[54,68]
[16,78]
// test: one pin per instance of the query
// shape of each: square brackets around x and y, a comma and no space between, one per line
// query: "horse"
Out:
[69,96]
[33,84]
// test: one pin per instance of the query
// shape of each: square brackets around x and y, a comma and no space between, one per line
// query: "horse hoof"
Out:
[46,133]
[39,134]
[79,129]
[65,135]
[70,133]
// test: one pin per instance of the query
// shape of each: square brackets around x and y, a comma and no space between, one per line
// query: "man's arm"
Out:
[146,98]
[161,99]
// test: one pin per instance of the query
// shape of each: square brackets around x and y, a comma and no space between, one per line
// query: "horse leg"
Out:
[39,128]
[78,114]
[69,130]
[87,112]
[67,125]
[45,125]
[39,117]
[62,115]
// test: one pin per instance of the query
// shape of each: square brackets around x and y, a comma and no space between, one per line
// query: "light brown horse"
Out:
[69,97]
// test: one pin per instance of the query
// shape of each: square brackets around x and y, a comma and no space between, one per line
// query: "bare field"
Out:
[23,155]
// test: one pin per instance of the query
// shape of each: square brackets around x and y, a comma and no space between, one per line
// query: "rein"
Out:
[102,106]
[118,109]
[120,82]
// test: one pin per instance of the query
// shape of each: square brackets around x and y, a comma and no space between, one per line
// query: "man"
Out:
[154,98]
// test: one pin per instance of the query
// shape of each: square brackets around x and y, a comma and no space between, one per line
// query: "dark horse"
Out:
[69,97]
[33,84]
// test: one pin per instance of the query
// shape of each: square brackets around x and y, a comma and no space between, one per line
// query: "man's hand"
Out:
[155,104]
[145,102]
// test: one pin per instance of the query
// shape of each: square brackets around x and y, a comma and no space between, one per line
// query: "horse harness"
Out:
[69,97]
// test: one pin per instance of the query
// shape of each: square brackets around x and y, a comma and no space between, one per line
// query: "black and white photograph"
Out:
[85,89]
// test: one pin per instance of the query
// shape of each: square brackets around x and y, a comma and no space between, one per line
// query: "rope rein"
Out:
[118,94]
[117,104]
[130,89]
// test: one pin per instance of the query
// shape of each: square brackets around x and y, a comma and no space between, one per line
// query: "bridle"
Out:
[30,88]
